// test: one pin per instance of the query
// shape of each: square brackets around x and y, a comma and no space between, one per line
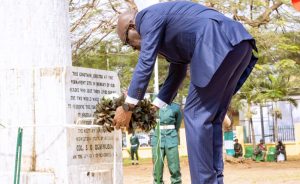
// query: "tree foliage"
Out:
[268,83]
[92,22]
[95,44]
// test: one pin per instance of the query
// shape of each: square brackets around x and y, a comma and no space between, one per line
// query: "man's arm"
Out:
[240,149]
[138,142]
[167,93]
[178,118]
[176,75]
[151,31]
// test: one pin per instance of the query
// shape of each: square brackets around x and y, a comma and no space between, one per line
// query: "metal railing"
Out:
[285,133]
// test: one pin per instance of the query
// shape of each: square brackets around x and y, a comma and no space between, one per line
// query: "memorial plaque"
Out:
[90,145]
[91,150]
[84,89]
[94,150]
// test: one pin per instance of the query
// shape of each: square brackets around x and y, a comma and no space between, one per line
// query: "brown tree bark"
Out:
[262,19]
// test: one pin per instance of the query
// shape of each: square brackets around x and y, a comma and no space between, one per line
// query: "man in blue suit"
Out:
[219,51]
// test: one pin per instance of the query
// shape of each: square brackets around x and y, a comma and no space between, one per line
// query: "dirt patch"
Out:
[248,172]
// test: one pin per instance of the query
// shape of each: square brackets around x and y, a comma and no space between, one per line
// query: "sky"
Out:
[141,4]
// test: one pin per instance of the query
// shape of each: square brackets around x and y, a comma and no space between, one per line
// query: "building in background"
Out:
[263,121]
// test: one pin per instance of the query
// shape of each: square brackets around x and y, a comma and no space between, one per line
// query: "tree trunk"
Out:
[252,133]
[275,124]
[276,129]
[262,122]
[249,114]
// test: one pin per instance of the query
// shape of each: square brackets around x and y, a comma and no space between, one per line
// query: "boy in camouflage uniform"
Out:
[135,143]
[170,120]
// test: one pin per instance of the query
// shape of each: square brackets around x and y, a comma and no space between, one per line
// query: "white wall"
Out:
[34,33]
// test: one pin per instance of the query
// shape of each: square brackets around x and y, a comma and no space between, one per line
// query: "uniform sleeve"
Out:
[176,75]
[138,142]
[178,118]
[151,31]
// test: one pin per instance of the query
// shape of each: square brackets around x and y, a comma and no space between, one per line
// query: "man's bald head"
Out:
[124,20]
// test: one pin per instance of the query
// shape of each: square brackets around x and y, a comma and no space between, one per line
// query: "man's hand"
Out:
[227,122]
[122,118]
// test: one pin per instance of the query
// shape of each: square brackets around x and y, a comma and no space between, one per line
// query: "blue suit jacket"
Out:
[184,33]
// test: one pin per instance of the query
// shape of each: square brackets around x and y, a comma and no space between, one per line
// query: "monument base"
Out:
[47,103]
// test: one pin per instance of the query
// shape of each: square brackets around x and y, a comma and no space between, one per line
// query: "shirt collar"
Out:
[138,17]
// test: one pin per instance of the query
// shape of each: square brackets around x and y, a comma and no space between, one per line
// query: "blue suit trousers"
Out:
[204,113]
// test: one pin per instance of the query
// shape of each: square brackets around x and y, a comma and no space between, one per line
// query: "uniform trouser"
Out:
[204,113]
[134,151]
[237,155]
[173,164]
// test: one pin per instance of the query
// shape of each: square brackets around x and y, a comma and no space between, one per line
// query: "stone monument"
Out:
[41,92]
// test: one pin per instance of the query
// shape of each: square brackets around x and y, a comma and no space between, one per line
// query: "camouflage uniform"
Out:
[135,143]
[170,119]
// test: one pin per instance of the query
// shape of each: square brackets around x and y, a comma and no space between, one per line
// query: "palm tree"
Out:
[246,97]
[277,86]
